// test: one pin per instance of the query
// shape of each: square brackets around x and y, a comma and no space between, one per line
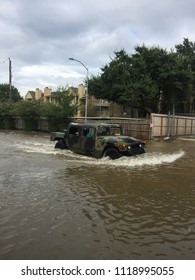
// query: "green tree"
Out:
[29,111]
[186,55]
[65,100]
[125,80]
[5,93]
[151,78]
[6,113]
[96,87]
[113,84]
[60,114]
[144,83]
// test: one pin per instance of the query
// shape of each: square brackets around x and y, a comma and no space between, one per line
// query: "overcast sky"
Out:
[40,35]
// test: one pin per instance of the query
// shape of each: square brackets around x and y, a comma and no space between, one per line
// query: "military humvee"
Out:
[97,140]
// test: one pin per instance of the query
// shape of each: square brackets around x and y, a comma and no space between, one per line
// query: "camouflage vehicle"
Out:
[97,140]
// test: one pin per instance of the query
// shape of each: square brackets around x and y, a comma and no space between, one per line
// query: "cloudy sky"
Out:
[40,35]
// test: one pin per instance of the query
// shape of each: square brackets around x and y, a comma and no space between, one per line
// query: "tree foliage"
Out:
[65,100]
[151,77]
[58,114]
[5,93]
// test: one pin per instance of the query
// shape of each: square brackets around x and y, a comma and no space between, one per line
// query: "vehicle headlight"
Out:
[129,147]
[121,147]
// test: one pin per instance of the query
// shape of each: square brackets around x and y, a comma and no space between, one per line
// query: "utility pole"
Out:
[10,79]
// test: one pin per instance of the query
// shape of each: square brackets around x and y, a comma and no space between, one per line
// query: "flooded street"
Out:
[59,205]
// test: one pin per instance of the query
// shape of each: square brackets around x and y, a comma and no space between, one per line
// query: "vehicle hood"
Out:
[121,139]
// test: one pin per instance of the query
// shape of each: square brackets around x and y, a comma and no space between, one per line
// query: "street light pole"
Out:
[86,94]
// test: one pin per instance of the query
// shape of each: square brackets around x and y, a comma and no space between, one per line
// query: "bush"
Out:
[6,119]
[58,115]
[30,112]
[8,122]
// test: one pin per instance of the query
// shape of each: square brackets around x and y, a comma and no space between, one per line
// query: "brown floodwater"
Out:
[59,205]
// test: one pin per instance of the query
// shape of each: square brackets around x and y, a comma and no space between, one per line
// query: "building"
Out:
[47,95]
[96,107]
[30,95]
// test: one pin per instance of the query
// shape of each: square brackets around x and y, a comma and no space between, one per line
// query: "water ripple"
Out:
[59,205]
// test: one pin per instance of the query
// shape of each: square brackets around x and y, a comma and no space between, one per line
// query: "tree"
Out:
[151,78]
[65,100]
[29,111]
[5,93]
[6,109]
[114,82]
[145,68]
[60,114]
[125,80]
[186,56]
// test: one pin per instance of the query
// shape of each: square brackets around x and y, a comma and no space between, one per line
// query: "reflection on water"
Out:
[59,205]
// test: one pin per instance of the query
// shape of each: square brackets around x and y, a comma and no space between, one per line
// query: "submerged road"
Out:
[59,205]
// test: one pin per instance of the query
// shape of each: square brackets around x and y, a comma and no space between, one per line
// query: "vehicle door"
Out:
[88,140]
[74,138]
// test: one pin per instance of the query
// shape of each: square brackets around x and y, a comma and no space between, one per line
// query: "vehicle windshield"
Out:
[108,131]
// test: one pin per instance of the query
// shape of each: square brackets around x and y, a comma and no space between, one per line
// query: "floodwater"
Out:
[59,205]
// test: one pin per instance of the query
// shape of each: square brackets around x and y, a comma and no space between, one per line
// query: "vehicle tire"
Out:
[112,153]
[142,151]
[60,145]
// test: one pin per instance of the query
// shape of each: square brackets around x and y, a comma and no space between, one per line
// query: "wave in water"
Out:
[147,159]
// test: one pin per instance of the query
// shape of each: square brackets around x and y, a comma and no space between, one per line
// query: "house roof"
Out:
[30,95]
[74,90]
